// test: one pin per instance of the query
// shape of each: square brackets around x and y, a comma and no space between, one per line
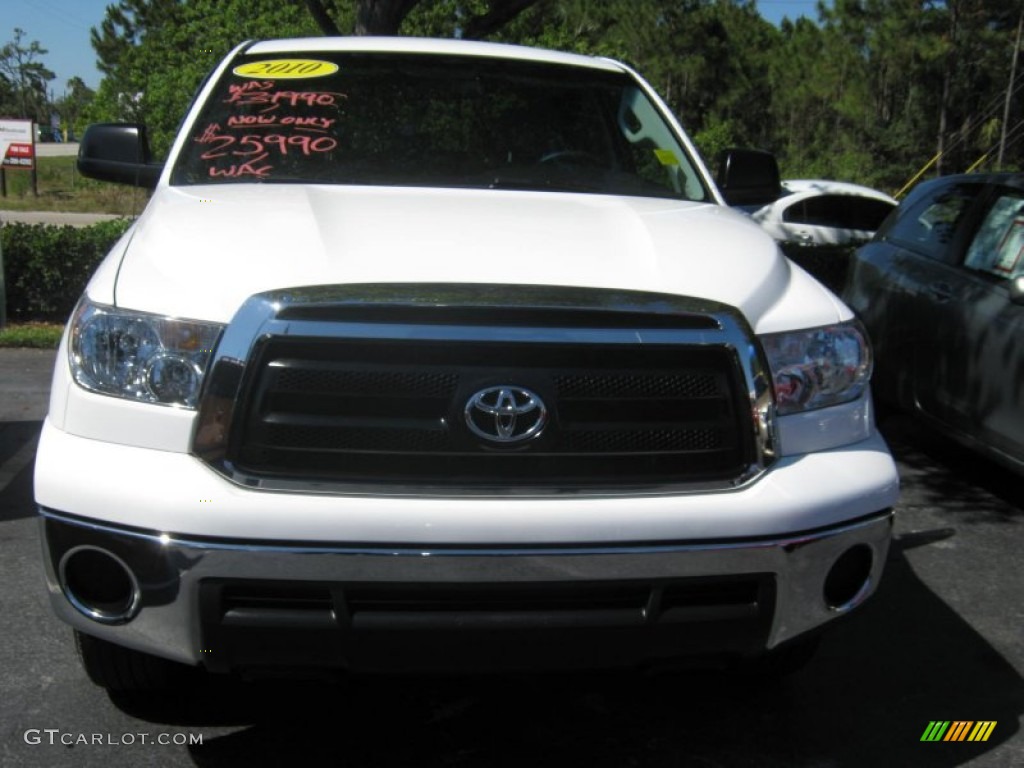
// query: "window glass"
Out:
[866,213]
[432,120]
[930,224]
[839,211]
[795,213]
[998,247]
[820,211]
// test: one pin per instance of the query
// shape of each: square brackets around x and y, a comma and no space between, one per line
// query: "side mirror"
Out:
[118,152]
[747,177]
[1017,290]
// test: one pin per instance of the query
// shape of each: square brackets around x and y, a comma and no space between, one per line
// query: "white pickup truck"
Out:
[437,354]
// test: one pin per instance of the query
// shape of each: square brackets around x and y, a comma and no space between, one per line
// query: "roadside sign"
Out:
[17,144]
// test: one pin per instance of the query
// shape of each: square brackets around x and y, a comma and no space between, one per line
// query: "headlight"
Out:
[138,356]
[818,367]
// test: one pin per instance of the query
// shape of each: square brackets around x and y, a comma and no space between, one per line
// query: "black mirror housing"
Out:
[118,152]
[747,177]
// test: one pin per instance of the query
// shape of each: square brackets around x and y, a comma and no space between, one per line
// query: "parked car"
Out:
[824,213]
[435,354]
[941,291]
[817,223]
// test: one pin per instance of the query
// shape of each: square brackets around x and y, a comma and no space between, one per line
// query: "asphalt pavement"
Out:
[942,640]
[57,149]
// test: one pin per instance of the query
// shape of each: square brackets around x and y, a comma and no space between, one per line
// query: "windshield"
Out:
[431,120]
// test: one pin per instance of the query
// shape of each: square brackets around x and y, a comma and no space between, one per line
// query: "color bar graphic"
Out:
[958,730]
[935,730]
[982,730]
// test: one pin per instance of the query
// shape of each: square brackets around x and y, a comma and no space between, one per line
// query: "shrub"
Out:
[46,267]
[36,335]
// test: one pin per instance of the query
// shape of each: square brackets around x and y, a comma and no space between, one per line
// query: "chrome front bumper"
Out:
[172,572]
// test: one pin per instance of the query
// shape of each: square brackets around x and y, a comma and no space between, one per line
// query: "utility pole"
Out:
[1009,93]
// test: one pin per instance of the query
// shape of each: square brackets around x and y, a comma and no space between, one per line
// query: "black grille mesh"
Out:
[293,378]
[312,438]
[644,441]
[636,385]
[391,412]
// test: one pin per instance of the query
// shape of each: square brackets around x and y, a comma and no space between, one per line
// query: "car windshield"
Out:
[438,121]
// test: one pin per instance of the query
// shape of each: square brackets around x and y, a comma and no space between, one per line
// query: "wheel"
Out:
[121,669]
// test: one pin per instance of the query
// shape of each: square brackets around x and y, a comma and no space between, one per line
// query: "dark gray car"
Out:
[941,291]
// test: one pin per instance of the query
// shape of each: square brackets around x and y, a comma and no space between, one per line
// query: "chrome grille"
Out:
[392,412]
[641,391]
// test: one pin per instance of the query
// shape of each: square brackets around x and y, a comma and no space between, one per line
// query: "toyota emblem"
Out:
[506,414]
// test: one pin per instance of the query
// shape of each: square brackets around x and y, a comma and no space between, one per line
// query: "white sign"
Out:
[17,139]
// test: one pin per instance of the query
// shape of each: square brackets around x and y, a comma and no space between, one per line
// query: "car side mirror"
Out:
[747,177]
[1017,290]
[118,152]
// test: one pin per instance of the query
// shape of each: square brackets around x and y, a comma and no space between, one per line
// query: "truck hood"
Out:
[199,252]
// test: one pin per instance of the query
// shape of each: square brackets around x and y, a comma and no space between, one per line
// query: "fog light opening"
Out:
[99,584]
[848,579]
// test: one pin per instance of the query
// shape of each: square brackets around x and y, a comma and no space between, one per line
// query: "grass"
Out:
[35,335]
[62,188]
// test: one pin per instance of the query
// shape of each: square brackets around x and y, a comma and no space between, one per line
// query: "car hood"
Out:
[200,251]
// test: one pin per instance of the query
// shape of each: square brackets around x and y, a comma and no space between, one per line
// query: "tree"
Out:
[26,77]
[72,105]
[385,17]
[976,65]
[879,87]
[155,53]
[708,59]
[126,26]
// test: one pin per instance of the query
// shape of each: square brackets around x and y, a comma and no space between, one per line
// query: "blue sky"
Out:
[62,27]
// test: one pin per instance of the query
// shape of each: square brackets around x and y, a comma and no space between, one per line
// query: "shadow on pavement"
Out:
[941,469]
[879,679]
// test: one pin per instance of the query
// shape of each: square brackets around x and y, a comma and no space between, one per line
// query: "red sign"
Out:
[20,155]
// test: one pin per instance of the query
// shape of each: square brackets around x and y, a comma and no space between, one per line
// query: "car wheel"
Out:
[124,670]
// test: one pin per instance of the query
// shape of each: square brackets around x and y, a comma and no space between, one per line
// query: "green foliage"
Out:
[155,54]
[46,268]
[72,106]
[577,26]
[714,138]
[880,86]
[34,335]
